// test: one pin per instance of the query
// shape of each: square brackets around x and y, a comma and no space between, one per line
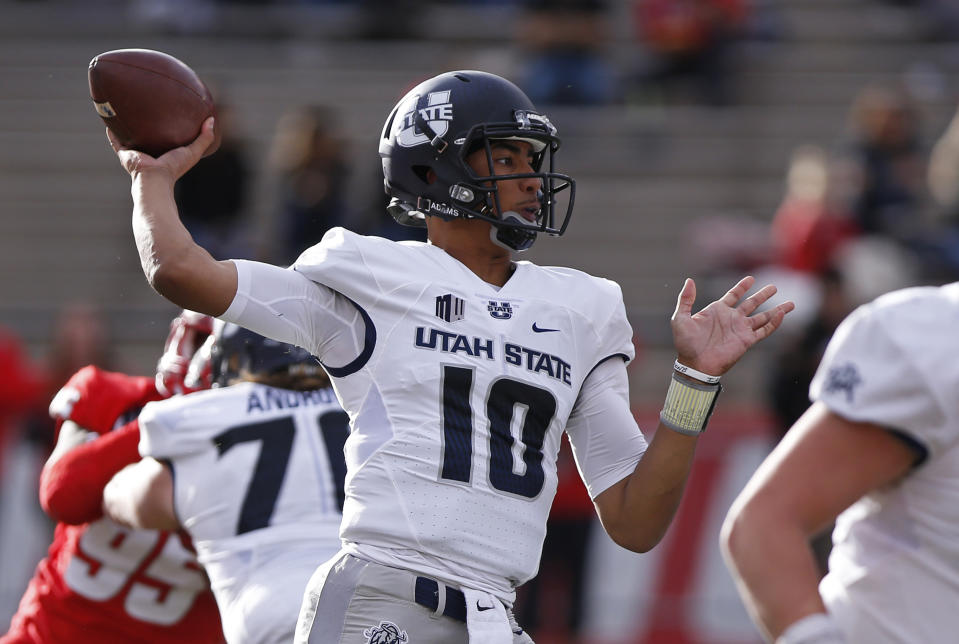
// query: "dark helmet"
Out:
[238,353]
[444,119]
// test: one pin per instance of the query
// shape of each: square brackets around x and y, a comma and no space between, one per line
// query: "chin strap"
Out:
[512,239]
[518,239]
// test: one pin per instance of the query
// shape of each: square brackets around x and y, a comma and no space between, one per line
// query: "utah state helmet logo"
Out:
[438,112]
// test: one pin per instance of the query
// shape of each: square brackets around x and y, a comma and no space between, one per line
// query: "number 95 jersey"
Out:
[458,394]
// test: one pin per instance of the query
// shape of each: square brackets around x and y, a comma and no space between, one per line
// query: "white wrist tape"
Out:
[688,405]
[818,628]
[692,373]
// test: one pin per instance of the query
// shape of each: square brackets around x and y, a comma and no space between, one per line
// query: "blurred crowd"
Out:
[683,49]
[874,211]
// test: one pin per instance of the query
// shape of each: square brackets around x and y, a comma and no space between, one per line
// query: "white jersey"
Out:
[258,484]
[894,568]
[458,393]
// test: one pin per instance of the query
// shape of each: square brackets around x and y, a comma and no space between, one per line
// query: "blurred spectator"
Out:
[22,389]
[812,221]
[81,336]
[891,161]
[873,265]
[212,196]
[550,605]
[940,18]
[308,156]
[943,184]
[797,356]
[690,40]
[390,19]
[563,42]
[23,528]
[905,193]
[858,271]
[176,16]
[943,172]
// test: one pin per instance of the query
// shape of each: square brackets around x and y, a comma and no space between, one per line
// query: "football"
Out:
[151,101]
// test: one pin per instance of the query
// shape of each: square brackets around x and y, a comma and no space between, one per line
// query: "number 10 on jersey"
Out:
[506,399]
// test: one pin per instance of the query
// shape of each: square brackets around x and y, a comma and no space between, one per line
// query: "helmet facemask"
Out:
[477,197]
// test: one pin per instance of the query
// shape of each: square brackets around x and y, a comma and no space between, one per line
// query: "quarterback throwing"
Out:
[460,366]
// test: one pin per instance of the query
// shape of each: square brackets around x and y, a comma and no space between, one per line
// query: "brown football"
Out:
[151,101]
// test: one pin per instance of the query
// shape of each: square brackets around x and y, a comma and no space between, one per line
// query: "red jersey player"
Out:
[100,582]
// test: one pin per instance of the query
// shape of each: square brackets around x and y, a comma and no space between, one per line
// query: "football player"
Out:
[878,451]
[459,365]
[255,469]
[102,582]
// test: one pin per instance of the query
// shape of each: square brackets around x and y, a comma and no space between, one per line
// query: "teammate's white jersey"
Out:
[458,393]
[258,484]
[894,568]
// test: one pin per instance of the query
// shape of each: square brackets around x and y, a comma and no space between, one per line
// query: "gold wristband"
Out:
[688,405]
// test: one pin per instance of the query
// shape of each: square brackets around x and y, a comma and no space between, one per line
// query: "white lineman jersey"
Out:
[258,484]
[894,568]
[458,393]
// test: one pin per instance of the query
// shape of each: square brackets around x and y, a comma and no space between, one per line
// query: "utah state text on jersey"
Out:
[535,361]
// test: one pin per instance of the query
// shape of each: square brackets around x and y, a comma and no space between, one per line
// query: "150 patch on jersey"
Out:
[450,308]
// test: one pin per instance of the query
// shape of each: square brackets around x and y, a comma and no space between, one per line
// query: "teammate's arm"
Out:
[73,478]
[823,465]
[175,266]
[141,496]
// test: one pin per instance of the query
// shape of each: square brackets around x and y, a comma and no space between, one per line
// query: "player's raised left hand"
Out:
[713,339]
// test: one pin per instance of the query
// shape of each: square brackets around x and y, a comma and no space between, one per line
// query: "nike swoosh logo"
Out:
[539,329]
[482,608]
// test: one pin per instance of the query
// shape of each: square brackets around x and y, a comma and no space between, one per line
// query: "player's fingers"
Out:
[775,319]
[733,295]
[129,159]
[113,140]
[765,323]
[206,133]
[754,301]
[203,140]
[685,299]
